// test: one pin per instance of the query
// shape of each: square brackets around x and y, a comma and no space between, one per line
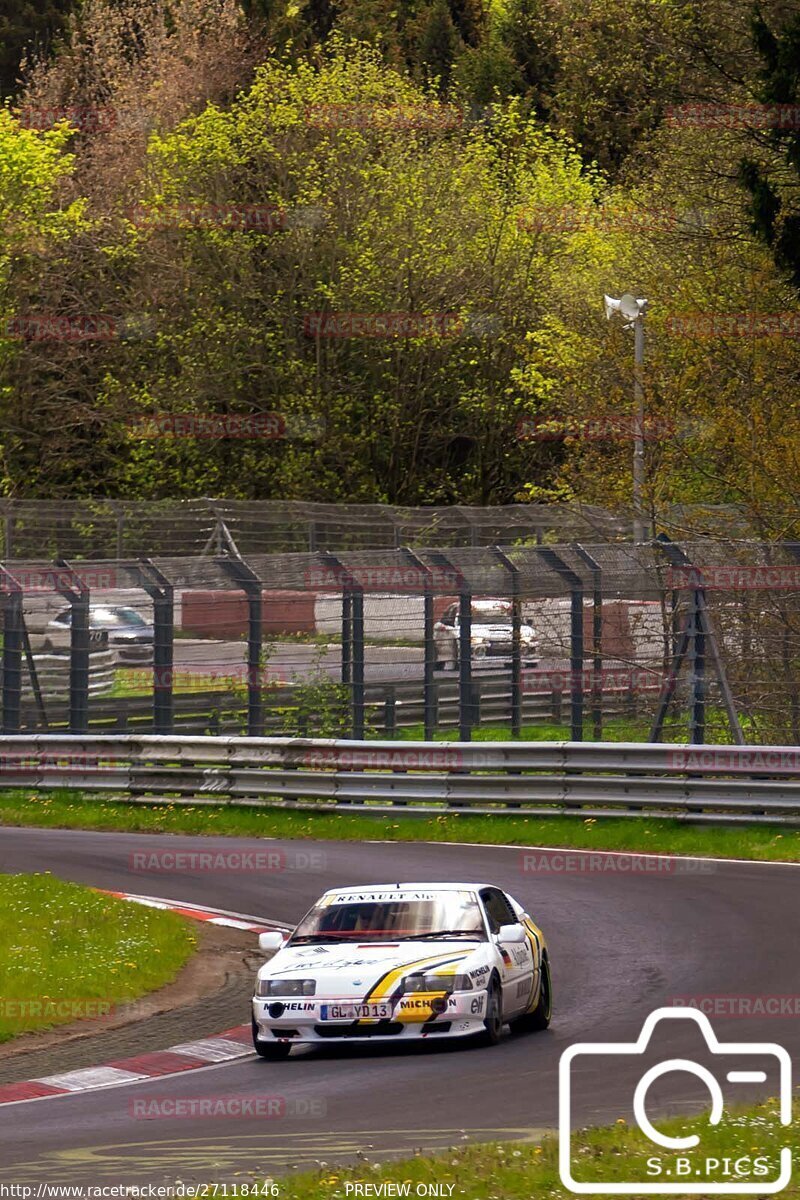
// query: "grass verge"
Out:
[519,1171]
[69,810]
[67,952]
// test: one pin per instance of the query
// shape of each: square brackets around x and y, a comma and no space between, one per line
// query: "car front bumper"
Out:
[410,1019]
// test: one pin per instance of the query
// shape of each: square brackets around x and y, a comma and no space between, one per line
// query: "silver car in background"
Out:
[491,634]
[127,632]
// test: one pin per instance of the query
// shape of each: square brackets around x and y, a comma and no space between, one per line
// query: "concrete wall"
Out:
[224,614]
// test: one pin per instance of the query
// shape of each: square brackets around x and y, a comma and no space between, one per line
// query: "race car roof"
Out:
[356,889]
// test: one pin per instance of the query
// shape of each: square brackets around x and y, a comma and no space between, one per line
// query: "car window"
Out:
[64,618]
[114,618]
[498,909]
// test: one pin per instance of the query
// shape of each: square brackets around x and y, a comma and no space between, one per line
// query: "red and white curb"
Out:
[188,1056]
[214,916]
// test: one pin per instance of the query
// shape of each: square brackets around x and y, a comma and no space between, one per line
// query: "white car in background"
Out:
[491,634]
[400,961]
[120,627]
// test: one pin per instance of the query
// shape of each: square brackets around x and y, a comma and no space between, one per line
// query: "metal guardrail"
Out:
[719,784]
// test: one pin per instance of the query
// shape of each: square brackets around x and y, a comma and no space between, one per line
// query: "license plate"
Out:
[355,1012]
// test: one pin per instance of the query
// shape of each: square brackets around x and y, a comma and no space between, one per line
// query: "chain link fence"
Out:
[115,529]
[693,640]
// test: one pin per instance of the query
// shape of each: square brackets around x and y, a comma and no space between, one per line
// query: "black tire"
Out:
[493,1021]
[272,1051]
[541,1015]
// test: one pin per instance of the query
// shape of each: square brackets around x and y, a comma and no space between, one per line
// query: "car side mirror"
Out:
[510,933]
[270,941]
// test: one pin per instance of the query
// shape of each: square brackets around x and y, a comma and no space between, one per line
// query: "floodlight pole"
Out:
[632,309]
[639,524]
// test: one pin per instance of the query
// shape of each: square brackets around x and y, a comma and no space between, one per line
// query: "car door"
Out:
[515,963]
[535,938]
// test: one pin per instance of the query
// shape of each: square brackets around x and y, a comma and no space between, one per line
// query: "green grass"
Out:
[68,810]
[67,952]
[520,1171]
[624,728]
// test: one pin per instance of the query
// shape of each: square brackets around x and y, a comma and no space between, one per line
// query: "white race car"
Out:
[399,961]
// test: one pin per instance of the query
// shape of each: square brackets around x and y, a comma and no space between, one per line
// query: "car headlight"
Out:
[286,987]
[438,983]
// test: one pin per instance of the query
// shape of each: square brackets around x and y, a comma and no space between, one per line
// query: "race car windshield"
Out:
[445,915]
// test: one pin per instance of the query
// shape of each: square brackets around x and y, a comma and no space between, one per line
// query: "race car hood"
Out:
[346,970]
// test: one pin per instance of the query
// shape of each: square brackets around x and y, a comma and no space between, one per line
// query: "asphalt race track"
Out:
[622,944]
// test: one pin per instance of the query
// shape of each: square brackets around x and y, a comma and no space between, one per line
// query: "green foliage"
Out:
[62,941]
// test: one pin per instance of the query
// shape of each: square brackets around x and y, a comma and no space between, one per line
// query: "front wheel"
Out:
[272,1051]
[493,1021]
[540,1017]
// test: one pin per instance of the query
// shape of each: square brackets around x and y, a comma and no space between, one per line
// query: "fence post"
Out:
[12,654]
[597,639]
[161,592]
[77,594]
[243,574]
[575,584]
[390,712]
[516,642]
[465,663]
[358,663]
[697,667]
[429,641]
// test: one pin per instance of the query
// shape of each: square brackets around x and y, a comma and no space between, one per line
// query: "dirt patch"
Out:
[211,993]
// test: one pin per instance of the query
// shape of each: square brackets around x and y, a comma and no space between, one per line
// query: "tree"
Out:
[773,178]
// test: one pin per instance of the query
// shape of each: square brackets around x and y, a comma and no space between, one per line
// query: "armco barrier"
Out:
[721,784]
